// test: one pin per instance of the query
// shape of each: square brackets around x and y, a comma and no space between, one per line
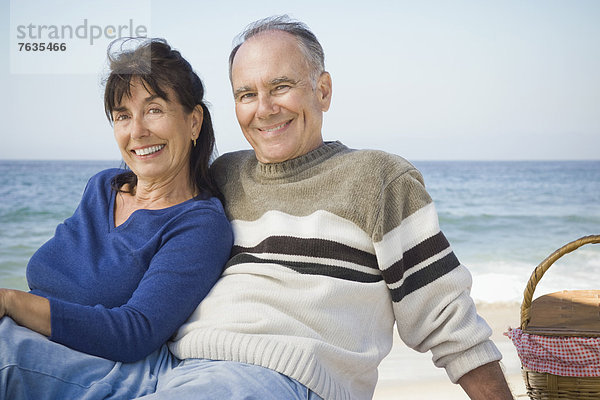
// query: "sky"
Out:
[427,80]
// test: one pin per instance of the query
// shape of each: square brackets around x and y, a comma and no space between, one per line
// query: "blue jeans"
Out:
[33,367]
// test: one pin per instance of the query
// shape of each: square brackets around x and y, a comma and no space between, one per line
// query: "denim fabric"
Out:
[200,379]
[35,368]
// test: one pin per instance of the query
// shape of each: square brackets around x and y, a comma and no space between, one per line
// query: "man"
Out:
[332,245]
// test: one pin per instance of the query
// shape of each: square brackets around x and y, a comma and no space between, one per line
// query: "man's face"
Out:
[277,106]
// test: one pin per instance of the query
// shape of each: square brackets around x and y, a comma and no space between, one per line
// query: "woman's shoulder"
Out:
[200,208]
[198,215]
[101,181]
[211,204]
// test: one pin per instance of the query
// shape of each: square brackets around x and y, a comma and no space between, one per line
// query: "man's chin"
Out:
[273,155]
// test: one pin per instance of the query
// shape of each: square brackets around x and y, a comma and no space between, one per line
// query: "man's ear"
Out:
[324,89]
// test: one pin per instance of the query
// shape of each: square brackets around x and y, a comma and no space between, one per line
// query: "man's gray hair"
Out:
[307,41]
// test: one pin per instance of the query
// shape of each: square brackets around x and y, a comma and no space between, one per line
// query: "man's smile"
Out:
[276,127]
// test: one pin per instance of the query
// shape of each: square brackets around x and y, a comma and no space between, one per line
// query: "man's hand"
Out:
[486,383]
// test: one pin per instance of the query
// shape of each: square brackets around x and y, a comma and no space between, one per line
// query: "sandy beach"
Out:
[406,374]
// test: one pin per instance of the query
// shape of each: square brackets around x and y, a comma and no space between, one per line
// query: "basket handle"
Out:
[543,267]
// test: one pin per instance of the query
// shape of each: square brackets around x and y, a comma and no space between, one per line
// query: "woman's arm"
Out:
[26,309]
[190,260]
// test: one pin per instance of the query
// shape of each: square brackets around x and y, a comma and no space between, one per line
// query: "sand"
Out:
[406,374]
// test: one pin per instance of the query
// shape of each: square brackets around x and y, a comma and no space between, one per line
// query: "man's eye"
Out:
[281,88]
[246,97]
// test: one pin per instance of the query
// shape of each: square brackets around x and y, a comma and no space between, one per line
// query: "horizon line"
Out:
[410,160]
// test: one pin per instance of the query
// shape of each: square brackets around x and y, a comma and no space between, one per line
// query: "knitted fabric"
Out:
[330,250]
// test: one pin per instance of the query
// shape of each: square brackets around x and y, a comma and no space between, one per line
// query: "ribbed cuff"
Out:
[483,353]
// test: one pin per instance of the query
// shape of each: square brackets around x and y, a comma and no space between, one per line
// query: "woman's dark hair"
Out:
[160,68]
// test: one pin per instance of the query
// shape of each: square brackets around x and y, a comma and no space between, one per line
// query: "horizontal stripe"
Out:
[426,249]
[320,224]
[415,229]
[418,267]
[415,256]
[309,268]
[278,257]
[310,247]
[425,276]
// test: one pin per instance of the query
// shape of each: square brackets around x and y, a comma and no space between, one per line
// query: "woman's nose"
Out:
[138,127]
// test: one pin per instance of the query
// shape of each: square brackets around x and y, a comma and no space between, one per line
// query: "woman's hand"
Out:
[2,300]
[26,309]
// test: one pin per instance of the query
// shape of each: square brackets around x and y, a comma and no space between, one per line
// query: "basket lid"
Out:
[566,313]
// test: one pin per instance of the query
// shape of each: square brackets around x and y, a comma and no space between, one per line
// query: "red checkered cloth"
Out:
[558,355]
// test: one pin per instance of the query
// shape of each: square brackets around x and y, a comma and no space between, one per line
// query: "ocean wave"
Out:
[465,217]
[505,281]
[501,218]
[26,214]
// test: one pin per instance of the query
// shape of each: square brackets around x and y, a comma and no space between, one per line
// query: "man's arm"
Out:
[486,383]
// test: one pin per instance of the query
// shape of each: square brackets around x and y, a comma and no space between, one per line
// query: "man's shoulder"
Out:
[380,156]
[227,159]
[378,162]
[226,166]
[231,161]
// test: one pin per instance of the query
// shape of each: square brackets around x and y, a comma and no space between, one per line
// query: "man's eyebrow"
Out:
[272,82]
[240,90]
[282,79]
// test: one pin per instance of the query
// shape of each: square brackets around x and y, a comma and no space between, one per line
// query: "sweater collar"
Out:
[300,164]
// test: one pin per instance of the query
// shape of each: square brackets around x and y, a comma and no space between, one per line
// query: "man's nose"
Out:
[267,106]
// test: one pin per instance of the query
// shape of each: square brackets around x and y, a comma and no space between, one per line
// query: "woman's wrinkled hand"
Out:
[3,302]
[26,309]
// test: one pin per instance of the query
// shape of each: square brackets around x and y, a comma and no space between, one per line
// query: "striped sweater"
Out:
[330,250]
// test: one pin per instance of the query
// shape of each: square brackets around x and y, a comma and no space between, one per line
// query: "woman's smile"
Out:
[148,151]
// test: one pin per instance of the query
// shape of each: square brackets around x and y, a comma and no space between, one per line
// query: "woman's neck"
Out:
[163,193]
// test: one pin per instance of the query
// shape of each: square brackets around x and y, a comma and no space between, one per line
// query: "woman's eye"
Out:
[121,117]
[154,111]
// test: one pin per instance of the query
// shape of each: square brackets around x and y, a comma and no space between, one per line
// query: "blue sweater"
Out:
[121,292]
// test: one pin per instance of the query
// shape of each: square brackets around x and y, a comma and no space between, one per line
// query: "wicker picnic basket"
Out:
[569,313]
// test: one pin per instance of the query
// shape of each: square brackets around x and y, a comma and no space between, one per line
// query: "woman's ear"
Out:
[196,120]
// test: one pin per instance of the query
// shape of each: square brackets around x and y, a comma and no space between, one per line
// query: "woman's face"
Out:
[155,135]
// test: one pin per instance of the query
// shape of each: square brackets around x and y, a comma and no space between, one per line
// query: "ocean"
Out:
[501,218]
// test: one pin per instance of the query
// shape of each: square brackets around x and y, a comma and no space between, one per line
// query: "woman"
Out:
[143,248]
